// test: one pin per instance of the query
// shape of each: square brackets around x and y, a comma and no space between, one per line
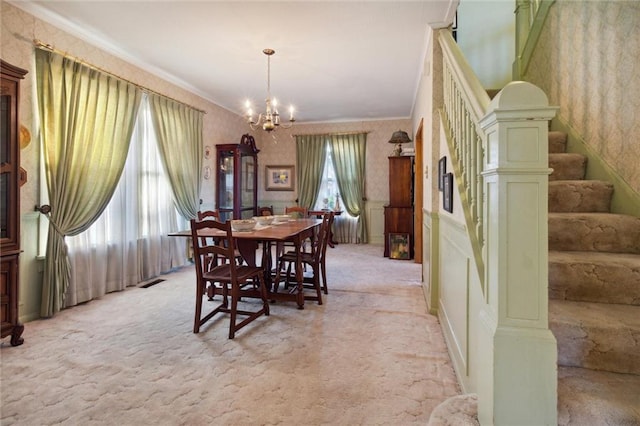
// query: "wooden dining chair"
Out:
[297,211]
[265,211]
[323,256]
[214,215]
[313,258]
[226,278]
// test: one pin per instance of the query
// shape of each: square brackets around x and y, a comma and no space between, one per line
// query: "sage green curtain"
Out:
[310,156]
[179,131]
[87,118]
[349,159]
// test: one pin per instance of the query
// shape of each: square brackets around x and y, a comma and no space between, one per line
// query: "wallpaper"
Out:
[19,29]
[586,61]
[281,151]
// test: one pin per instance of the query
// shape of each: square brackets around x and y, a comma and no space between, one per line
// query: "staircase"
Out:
[594,291]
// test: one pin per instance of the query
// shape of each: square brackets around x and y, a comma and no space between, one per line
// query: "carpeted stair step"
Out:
[580,196]
[557,142]
[608,232]
[598,336]
[588,397]
[567,166]
[585,276]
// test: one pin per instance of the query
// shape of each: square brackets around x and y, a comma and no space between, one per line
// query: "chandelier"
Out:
[270,119]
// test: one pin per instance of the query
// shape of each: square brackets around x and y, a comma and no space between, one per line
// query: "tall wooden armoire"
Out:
[398,214]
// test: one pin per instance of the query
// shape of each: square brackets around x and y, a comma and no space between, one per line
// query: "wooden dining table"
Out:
[247,242]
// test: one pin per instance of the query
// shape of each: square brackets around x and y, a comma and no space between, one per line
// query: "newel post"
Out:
[518,370]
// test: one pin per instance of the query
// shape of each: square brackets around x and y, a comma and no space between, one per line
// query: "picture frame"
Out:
[279,178]
[442,169]
[447,198]
[399,246]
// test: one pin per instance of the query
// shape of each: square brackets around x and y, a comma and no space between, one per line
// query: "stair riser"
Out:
[590,282]
[557,142]
[614,349]
[608,233]
[567,166]
[580,196]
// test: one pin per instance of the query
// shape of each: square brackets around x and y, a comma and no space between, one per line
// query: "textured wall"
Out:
[20,28]
[587,61]
[220,126]
[282,152]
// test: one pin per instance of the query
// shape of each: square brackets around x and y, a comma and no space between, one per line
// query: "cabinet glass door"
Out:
[247,186]
[225,184]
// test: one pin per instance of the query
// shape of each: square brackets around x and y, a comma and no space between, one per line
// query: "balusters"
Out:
[467,150]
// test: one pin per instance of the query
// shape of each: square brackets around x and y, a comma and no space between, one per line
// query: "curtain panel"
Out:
[310,156]
[129,243]
[179,131]
[87,118]
[349,160]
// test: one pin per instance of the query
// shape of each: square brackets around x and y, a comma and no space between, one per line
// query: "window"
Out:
[345,225]
[329,193]
[129,242]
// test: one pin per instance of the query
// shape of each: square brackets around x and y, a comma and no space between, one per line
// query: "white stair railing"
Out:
[465,103]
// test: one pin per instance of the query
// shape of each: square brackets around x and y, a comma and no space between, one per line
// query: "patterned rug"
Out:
[371,354]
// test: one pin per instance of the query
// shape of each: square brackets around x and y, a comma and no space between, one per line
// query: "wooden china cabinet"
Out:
[398,214]
[11,178]
[237,179]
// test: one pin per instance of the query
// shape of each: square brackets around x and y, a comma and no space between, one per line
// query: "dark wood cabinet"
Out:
[398,214]
[237,179]
[401,181]
[10,180]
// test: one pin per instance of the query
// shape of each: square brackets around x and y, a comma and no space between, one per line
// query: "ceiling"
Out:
[334,60]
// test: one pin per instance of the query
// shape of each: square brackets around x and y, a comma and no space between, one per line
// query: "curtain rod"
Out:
[333,134]
[45,46]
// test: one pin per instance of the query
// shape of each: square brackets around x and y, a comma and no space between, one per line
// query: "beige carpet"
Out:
[370,355]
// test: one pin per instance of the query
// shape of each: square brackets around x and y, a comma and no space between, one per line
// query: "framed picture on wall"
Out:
[447,198]
[279,178]
[442,169]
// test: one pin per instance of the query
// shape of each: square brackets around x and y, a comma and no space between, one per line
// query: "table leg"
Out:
[299,276]
[247,249]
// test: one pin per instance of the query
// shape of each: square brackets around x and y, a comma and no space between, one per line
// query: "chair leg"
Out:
[198,313]
[263,293]
[324,278]
[316,283]
[233,311]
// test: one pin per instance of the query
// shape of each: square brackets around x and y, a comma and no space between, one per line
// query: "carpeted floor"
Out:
[370,355]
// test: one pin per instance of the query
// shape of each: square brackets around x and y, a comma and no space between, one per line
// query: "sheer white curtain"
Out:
[129,243]
[345,226]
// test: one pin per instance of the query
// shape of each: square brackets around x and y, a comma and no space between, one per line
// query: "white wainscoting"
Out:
[460,299]
[455,263]
[375,216]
